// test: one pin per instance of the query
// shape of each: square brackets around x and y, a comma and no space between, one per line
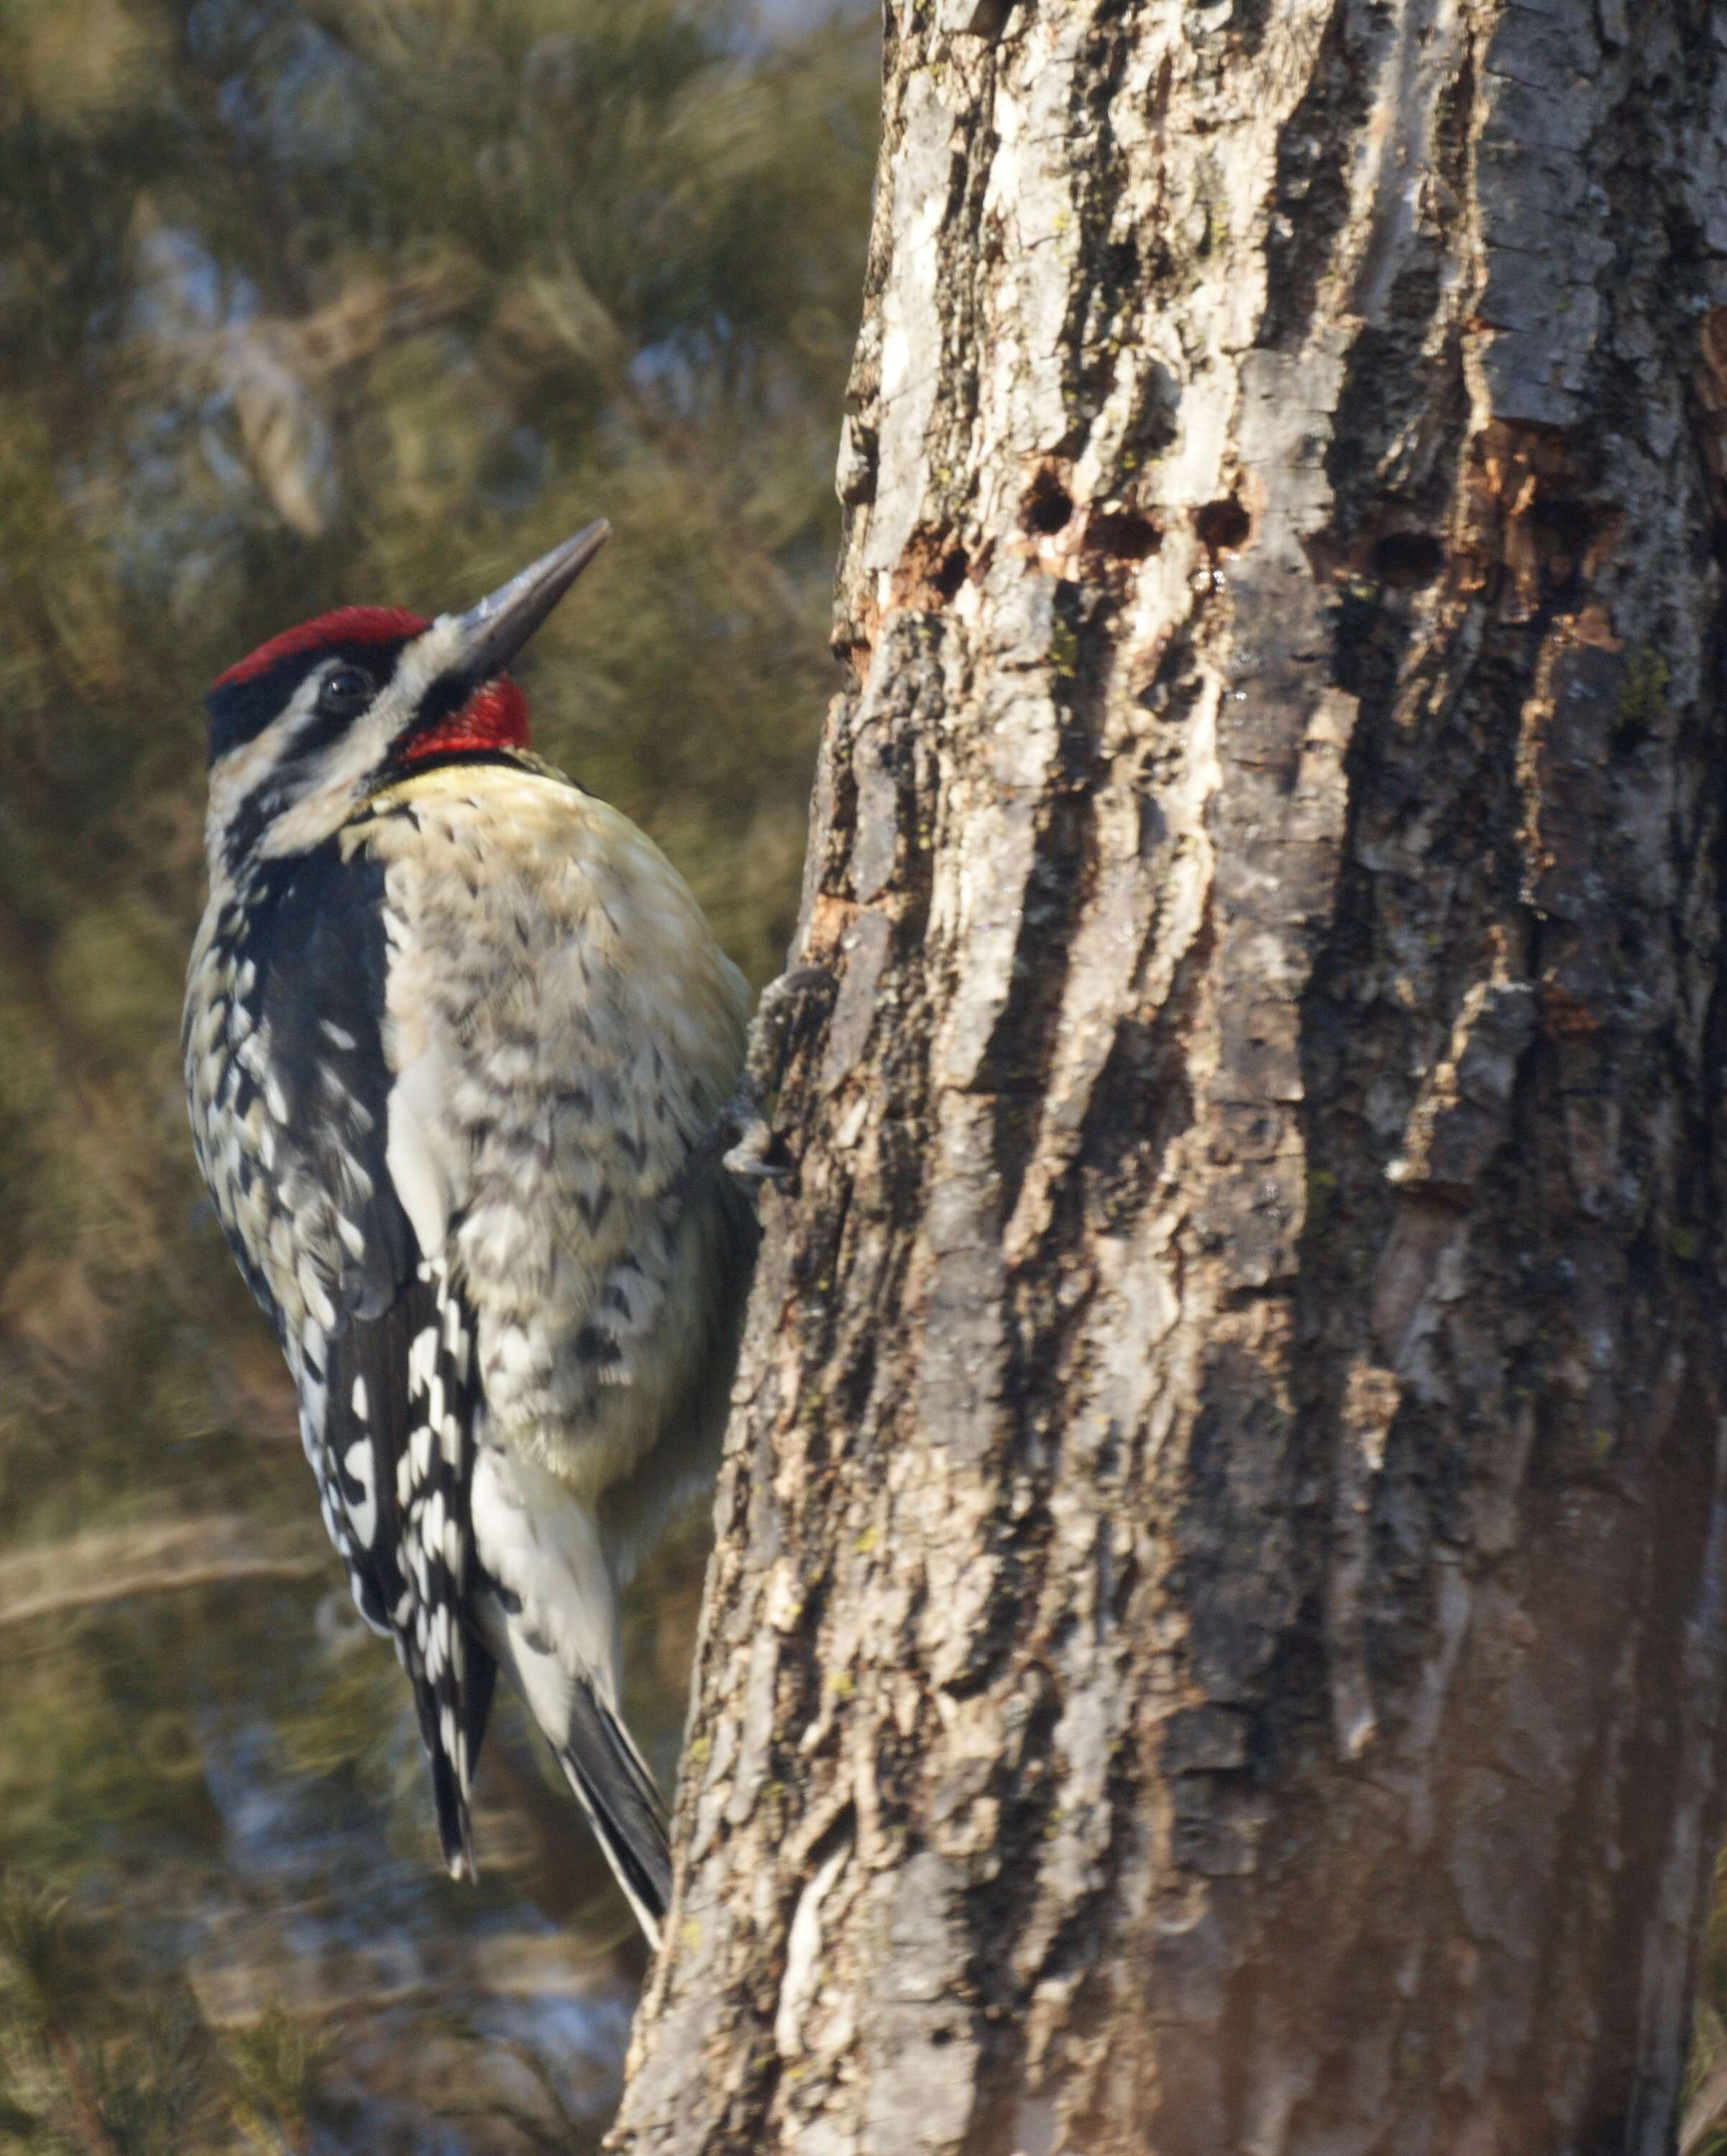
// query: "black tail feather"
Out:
[620,1795]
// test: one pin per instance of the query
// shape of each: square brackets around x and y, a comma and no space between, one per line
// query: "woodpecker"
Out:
[457,1039]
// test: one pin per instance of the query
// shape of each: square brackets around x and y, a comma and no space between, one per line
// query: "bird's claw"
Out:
[748,1157]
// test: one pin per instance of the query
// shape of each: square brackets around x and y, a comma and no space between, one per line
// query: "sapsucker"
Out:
[457,1036]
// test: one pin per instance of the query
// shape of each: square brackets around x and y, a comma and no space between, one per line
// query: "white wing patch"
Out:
[363,1515]
[418,1149]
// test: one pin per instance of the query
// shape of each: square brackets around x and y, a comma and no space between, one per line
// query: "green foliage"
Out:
[302,303]
[32,1953]
[276,2064]
[68,2076]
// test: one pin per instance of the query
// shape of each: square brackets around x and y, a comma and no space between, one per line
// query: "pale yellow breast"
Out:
[566,1031]
[521,865]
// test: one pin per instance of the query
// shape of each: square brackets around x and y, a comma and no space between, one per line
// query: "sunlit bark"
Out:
[1215,1638]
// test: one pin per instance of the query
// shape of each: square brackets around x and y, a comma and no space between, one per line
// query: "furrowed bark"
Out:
[1215,1642]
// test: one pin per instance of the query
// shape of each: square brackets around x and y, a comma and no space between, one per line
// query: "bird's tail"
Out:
[616,1790]
[547,1610]
[572,1700]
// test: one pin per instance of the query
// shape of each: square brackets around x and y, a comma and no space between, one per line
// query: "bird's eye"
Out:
[345,692]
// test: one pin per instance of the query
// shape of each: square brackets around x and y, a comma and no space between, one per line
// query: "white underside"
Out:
[543,1545]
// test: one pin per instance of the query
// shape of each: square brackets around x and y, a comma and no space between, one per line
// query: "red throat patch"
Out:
[495,717]
[347,625]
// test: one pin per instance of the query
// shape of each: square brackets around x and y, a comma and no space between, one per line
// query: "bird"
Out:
[458,1039]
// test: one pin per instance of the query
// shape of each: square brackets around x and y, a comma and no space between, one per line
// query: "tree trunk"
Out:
[1216,1641]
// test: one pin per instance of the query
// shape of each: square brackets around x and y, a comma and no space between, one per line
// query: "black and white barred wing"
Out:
[383,1351]
[399,1430]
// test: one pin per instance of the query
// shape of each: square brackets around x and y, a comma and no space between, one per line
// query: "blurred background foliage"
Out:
[302,303]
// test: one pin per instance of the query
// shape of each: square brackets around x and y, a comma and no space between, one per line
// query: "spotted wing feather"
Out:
[386,1361]
[403,1403]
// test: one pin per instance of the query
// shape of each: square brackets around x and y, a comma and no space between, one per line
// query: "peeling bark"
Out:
[1215,1639]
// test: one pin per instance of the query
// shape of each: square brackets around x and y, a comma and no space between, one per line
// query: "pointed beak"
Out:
[493,631]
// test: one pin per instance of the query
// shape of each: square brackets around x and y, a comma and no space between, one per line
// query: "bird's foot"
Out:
[749,1156]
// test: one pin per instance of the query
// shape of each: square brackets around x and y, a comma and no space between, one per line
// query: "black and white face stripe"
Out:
[239,710]
[264,772]
[303,726]
[297,746]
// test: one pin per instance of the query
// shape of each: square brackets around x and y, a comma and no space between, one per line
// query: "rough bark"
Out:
[1216,1643]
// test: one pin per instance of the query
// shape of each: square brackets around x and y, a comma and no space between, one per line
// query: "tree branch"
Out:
[163,1558]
